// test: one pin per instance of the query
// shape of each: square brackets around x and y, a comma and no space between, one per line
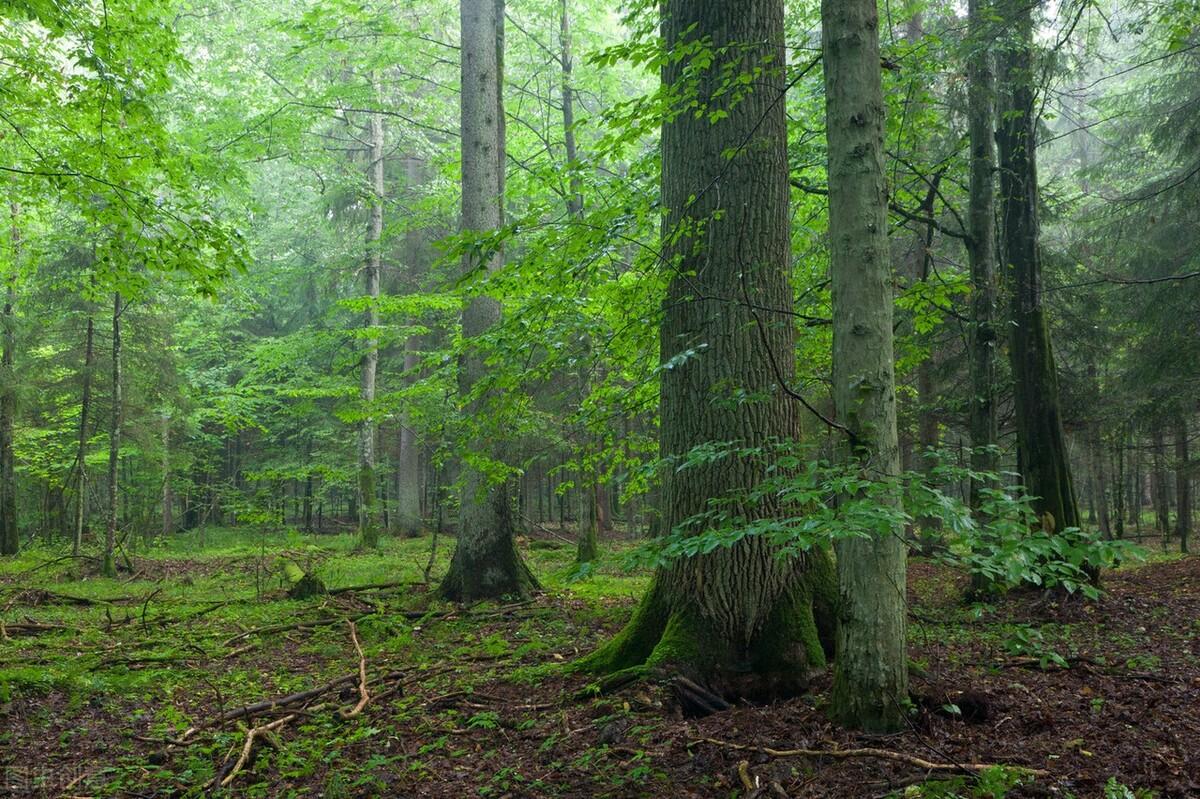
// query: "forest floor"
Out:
[139,686]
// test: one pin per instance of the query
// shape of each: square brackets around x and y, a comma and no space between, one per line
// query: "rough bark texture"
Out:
[486,563]
[1041,447]
[981,246]
[368,519]
[85,411]
[109,566]
[740,619]
[168,495]
[870,688]
[1183,483]
[9,537]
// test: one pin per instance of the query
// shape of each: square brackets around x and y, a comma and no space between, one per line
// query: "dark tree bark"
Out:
[1183,483]
[1158,483]
[981,246]
[870,687]
[486,562]
[9,535]
[1041,446]
[740,620]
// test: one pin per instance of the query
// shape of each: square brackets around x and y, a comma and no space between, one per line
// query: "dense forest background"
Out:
[740,307]
[210,168]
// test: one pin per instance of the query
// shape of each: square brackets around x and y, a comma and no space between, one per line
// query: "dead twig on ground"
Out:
[364,696]
[870,752]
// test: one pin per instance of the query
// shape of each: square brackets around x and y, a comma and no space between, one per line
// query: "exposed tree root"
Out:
[248,747]
[880,754]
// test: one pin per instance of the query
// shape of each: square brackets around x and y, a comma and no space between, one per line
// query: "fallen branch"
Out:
[248,747]
[880,754]
[363,695]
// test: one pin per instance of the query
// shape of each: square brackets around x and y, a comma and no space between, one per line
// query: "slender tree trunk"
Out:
[9,535]
[740,619]
[109,567]
[870,688]
[368,520]
[1158,480]
[575,184]
[168,494]
[1120,480]
[1183,483]
[486,562]
[1041,446]
[981,246]
[408,466]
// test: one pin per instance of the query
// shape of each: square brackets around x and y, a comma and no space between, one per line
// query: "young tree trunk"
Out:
[9,535]
[870,688]
[368,519]
[89,358]
[575,184]
[109,566]
[1183,483]
[1041,447]
[486,563]
[1160,494]
[740,620]
[408,465]
[1119,486]
[168,495]
[981,246]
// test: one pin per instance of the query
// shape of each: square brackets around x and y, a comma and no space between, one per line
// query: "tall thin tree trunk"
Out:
[1183,483]
[9,535]
[1158,482]
[870,685]
[575,183]
[168,493]
[1041,446]
[486,562]
[408,465]
[368,520]
[109,567]
[1120,480]
[981,246]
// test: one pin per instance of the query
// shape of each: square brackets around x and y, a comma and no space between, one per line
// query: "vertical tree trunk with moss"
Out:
[9,537]
[109,566]
[981,246]
[870,688]
[1183,483]
[1041,446]
[408,466]
[740,620]
[368,519]
[486,562]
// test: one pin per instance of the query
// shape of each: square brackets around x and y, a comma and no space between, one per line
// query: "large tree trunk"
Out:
[368,519]
[1183,483]
[981,246]
[739,619]
[9,537]
[486,563]
[85,410]
[109,565]
[1041,447]
[870,688]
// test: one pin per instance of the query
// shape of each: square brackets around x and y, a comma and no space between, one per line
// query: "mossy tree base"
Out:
[669,635]
[486,563]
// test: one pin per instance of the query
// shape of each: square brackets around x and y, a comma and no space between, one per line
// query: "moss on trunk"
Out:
[668,633]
